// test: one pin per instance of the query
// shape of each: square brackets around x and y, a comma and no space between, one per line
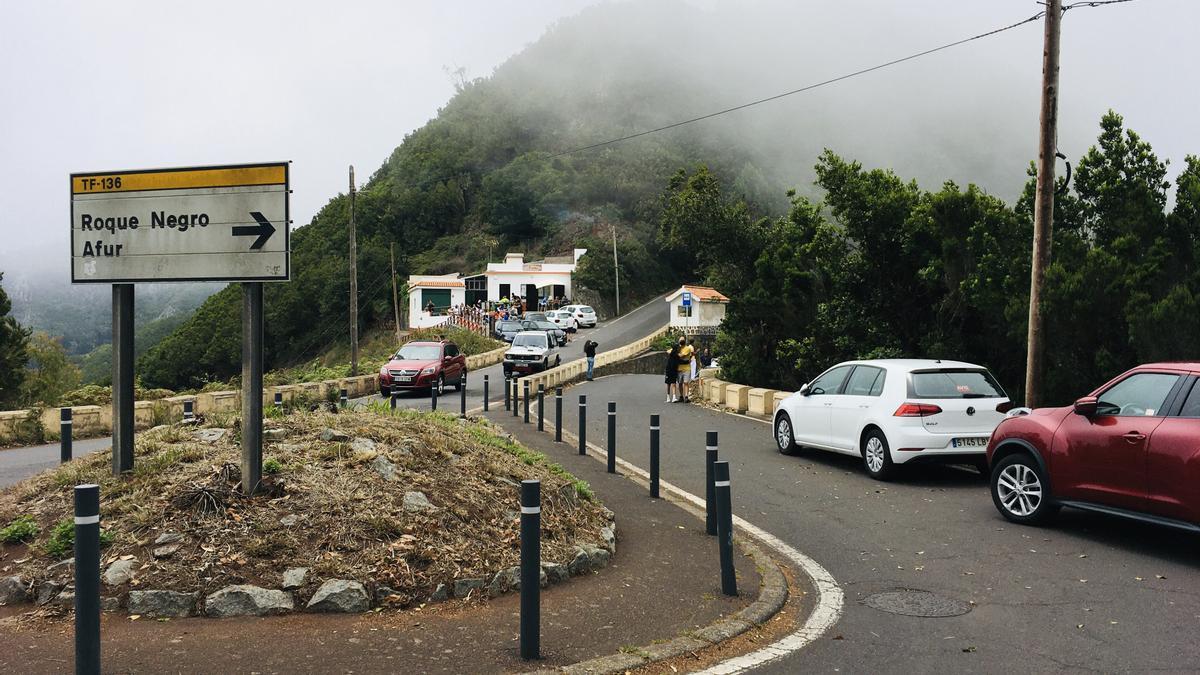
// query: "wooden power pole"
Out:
[353,284]
[395,293]
[616,271]
[1043,211]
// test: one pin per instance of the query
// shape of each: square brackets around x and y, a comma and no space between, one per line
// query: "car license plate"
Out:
[403,378]
[975,442]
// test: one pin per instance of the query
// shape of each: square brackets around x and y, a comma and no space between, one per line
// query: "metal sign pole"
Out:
[122,391]
[252,386]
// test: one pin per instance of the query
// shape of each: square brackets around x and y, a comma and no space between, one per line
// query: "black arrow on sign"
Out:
[263,230]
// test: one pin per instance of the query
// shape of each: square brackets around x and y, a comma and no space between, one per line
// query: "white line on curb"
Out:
[828,607]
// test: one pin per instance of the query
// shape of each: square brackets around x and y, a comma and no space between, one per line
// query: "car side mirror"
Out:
[1086,406]
[805,390]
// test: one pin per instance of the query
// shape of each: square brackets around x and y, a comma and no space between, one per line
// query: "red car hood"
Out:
[409,364]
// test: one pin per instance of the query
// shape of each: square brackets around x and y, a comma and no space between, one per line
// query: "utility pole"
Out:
[616,271]
[395,293]
[1043,211]
[353,284]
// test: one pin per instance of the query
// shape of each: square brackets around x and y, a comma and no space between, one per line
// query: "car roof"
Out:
[1171,365]
[425,343]
[908,365]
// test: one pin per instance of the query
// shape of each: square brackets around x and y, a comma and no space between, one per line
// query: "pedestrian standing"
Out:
[683,370]
[589,351]
[694,371]
[672,373]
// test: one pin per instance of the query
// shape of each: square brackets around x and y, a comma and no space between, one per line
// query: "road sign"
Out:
[687,299]
[215,223]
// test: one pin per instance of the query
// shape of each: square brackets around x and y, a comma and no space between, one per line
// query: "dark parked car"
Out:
[535,316]
[557,334]
[424,365]
[506,330]
[1130,448]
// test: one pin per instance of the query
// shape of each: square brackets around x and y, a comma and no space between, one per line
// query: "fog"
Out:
[145,84]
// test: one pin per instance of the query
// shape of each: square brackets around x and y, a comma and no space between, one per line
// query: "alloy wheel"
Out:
[874,454]
[783,433]
[1019,489]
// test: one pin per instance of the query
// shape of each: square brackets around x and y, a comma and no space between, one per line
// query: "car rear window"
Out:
[953,383]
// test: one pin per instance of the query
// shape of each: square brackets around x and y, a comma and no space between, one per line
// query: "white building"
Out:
[443,291]
[697,310]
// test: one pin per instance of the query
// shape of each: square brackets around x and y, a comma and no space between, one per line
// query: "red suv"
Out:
[424,365]
[1131,448]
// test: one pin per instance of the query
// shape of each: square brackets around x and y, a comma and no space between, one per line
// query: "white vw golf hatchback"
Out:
[894,411]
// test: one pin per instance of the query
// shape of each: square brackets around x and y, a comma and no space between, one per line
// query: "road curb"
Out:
[772,596]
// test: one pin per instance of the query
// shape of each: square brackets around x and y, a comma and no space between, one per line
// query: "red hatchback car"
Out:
[424,365]
[1131,448]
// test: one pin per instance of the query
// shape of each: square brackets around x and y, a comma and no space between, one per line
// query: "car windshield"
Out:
[954,383]
[419,353]
[529,341]
[508,326]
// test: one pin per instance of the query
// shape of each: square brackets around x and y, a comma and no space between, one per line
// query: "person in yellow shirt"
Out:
[685,353]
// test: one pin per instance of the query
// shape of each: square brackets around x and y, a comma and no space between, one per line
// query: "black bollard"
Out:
[612,436]
[526,392]
[516,399]
[433,395]
[541,407]
[64,435]
[725,527]
[583,424]
[392,400]
[507,392]
[189,410]
[531,569]
[87,579]
[485,393]
[710,495]
[462,399]
[279,400]
[344,397]
[654,424]
[558,415]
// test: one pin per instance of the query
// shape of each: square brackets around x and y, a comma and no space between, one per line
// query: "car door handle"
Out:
[1134,436]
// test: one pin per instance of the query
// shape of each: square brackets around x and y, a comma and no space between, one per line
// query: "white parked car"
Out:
[563,319]
[895,411]
[585,315]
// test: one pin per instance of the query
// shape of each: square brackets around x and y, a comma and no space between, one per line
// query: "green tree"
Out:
[50,372]
[14,344]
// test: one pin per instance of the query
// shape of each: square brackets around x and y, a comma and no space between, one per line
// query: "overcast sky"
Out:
[123,85]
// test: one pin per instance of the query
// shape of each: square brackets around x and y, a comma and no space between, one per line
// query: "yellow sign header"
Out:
[177,179]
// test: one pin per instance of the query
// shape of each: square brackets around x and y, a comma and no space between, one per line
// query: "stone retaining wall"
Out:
[574,371]
[739,397]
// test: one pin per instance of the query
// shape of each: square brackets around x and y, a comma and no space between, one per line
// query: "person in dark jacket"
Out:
[589,350]
[672,373]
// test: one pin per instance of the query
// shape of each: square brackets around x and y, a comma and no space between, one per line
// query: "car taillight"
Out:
[916,410]
[1004,407]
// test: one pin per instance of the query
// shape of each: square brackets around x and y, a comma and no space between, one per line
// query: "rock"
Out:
[209,435]
[405,449]
[505,581]
[415,502]
[362,445]
[588,558]
[608,514]
[332,436]
[162,603]
[580,563]
[110,604]
[274,434]
[340,595]
[608,536]
[61,565]
[464,587]
[440,594]
[168,538]
[289,520]
[384,467]
[247,600]
[385,595]
[120,572]
[65,599]
[555,573]
[47,591]
[13,590]
[166,551]
[294,577]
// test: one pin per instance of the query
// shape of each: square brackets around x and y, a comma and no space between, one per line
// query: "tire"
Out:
[384,392]
[462,382]
[441,385]
[877,456]
[785,435]
[558,360]
[1019,490]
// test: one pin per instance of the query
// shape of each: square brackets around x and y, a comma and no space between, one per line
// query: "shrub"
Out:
[62,539]
[22,528]
[272,466]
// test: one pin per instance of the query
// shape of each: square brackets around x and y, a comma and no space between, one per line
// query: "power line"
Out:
[823,83]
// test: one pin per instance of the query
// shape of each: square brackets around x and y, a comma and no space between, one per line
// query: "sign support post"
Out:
[252,387]
[122,378]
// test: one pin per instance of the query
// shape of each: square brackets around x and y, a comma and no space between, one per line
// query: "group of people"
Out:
[683,367]
[470,317]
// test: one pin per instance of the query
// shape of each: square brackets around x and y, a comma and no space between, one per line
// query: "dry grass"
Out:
[350,521]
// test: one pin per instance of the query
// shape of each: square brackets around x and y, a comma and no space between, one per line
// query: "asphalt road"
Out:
[1087,593]
[18,464]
